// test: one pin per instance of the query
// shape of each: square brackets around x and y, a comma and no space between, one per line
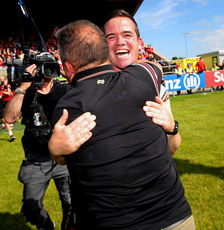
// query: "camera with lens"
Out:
[47,67]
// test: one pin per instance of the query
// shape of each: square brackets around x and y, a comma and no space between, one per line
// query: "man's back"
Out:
[124,177]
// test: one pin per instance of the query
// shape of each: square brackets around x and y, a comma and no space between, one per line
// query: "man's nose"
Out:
[120,40]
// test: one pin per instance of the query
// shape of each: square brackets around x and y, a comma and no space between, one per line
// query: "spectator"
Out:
[200,65]
[161,62]
[189,69]
[1,61]
[5,97]
[151,50]
[179,71]
[215,67]
[21,55]
[221,68]
[141,55]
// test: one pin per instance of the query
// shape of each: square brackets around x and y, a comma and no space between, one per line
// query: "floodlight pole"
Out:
[185,39]
[28,15]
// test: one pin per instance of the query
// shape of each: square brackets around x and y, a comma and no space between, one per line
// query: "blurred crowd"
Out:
[11,47]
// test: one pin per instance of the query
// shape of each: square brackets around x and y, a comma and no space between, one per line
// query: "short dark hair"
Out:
[82,43]
[121,13]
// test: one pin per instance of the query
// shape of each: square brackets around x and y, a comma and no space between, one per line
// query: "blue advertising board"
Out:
[184,82]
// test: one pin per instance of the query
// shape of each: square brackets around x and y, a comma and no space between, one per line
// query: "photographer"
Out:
[38,168]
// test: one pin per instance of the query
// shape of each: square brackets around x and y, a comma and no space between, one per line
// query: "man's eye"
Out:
[110,37]
[127,35]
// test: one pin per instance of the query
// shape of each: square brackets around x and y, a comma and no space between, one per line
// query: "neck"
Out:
[116,69]
[93,65]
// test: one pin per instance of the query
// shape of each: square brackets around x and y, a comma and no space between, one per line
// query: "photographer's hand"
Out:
[26,85]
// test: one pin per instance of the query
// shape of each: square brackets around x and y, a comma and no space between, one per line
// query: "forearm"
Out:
[13,109]
[174,142]
[53,146]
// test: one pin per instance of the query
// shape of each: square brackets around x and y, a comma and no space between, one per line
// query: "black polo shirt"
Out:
[37,111]
[124,177]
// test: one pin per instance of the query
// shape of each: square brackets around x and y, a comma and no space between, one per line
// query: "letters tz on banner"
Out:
[184,82]
[214,78]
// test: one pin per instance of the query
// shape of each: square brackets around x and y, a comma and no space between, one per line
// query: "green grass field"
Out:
[200,162]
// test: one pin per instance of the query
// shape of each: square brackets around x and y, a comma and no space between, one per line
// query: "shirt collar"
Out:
[89,73]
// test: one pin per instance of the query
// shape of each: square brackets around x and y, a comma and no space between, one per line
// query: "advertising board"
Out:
[175,82]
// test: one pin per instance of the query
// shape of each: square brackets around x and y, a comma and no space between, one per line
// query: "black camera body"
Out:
[47,67]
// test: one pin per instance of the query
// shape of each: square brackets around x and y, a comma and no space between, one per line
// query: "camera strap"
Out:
[39,118]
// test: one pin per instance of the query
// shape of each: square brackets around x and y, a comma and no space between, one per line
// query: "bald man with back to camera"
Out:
[124,177]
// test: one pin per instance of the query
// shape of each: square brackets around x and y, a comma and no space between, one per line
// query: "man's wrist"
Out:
[175,129]
[20,91]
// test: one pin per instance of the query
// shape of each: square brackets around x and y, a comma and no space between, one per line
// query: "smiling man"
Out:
[123,38]
[123,42]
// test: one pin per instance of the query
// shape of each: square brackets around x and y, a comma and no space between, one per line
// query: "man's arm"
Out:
[174,142]
[73,135]
[161,116]
[12,111]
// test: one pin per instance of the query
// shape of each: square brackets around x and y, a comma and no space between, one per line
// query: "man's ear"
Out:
[70,71]
[139,43]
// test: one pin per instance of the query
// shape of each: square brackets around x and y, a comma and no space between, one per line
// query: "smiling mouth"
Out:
[122,53]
